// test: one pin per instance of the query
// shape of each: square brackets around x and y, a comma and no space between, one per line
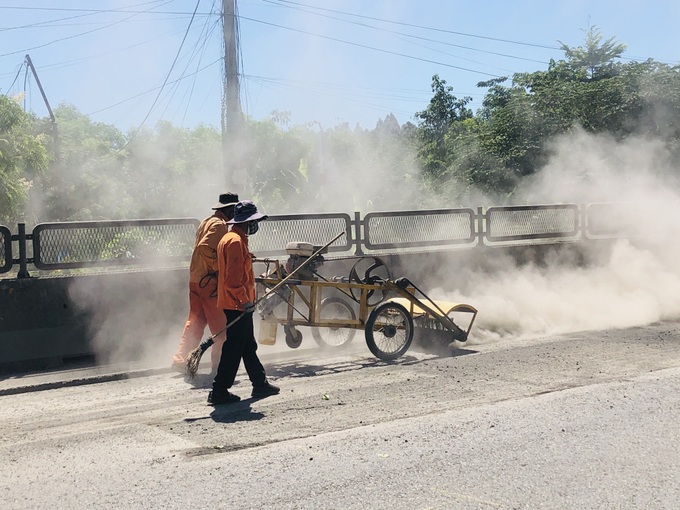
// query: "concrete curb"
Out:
[81,381]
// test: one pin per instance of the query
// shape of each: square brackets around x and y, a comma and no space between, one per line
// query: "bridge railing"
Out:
[5,249]
[108,243]
[532,222]
[163,242]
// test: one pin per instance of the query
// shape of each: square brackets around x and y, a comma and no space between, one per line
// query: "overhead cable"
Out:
[76,35]
[370,47]
[168,75]
[413,25]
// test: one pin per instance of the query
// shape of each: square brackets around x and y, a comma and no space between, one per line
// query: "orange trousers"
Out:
[203,312]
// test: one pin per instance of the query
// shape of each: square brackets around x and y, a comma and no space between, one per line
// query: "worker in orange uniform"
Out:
[203,309]
[236,295]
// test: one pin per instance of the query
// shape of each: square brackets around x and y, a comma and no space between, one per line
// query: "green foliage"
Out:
[138,243]
[437,123]
[273,161]
[87,172]
[23,157]
[595,56]
[166,167]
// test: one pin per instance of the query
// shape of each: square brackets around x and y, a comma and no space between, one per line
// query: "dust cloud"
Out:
[600,284]
[625,282]
[134,316]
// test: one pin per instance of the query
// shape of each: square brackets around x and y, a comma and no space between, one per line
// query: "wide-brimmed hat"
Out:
[244,211]
[226,199]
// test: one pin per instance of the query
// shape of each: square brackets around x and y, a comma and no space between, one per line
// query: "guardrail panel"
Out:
[405,229]
[516,223]
[317,229]
[106,243]
[5,249]
[619,219]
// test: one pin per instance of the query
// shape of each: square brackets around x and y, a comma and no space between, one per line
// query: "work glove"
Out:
[249,307]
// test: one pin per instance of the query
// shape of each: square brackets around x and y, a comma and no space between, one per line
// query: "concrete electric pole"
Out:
[231,103]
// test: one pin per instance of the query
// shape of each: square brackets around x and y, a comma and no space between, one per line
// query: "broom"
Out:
[194,359]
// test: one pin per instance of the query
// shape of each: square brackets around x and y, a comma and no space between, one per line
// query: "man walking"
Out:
[236,295]
[203,309]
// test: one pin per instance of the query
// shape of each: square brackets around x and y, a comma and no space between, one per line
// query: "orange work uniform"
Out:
[237,280]
[203,309]
[236,288]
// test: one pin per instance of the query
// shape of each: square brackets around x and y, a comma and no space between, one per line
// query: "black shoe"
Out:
[265,390]
[223,397]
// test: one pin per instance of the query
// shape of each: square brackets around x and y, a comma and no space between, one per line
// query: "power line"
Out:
[51,22]
[154,88]
[464,34]
[369,47]
[414,26]
[200,47]
[18,73]
[168,75]
[68,63]
[97,11]
[75,35]
[411,35]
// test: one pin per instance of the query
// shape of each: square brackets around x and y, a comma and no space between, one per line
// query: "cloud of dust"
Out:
[625,283]
[133,316]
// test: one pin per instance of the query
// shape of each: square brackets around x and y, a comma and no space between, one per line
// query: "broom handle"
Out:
[275,287]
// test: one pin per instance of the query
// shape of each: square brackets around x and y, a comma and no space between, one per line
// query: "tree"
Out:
[509,130]
[277,163]
[87,182]
[23,157]
[595,56]
[171,171]
[587,89]
[438,121]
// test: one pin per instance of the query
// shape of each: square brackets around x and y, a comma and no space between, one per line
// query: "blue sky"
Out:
[326,62]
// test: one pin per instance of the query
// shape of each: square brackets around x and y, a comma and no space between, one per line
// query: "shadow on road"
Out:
[231,413]
[298,368]
[335,364]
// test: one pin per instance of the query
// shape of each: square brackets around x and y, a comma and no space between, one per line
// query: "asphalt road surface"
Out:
[581,421]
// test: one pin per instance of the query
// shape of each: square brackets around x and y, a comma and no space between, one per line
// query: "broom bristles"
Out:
[194,359]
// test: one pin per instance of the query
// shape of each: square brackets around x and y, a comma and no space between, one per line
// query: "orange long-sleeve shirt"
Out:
[204,257]
[235,281]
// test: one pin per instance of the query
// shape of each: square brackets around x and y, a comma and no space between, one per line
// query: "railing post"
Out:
[583,214]
[21,238]
[358,241]
[480,226]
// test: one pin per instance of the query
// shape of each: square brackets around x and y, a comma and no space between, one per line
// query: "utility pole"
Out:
[231,103]
[53,120]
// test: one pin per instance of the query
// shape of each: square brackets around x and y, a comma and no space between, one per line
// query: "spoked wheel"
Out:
[371,271]
[389,331]
[334,308]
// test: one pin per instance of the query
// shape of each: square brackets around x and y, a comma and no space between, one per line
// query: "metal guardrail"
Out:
[107,243]
[407,229]
[316,229]
[5,249]
[618,219]
[530,222]
[170,241]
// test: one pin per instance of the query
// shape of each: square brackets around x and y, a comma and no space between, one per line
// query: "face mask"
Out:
[253,227]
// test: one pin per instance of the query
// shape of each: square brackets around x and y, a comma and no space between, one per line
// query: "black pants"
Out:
[240,344]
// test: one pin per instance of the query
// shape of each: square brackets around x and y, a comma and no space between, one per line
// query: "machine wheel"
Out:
[334,308]
[369,271]
[389,331]
[293,337]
